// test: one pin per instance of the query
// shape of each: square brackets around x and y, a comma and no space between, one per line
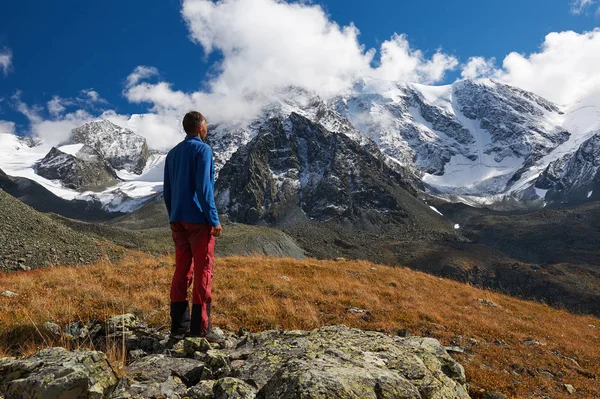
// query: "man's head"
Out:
[194,124]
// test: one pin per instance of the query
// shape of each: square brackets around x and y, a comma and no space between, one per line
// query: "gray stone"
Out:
[338,361]
[9,294]
[233,388]
[192,345]
[203,390]
[159,376]
[53,328]
[58,373]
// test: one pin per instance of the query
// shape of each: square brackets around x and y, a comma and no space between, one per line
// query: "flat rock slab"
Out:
[57,373]
[342,362]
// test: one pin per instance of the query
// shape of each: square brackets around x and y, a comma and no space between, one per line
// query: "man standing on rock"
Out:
[189,197]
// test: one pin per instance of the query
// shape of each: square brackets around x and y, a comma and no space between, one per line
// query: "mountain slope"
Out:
[295,168]
[519,348]
[122,148]
[41,199]
[82,171]
[476,141]
[30,239]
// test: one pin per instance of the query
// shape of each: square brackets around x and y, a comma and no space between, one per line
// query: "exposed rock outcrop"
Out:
[297,168]
[58,373]
[330,362]
[122,148]
[82,171]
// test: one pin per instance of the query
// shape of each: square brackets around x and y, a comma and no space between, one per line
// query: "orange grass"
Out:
[269,293]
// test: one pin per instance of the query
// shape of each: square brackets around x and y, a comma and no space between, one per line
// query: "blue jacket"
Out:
[190,183]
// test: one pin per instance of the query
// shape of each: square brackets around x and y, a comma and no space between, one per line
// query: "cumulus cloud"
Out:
[5,60]
[564,70]
[7,127]
[269,45]
[55,106]
[477,67]
[140,72]
[401,63]
[91,96]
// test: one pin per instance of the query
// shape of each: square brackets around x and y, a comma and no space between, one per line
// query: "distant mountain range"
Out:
[479,142]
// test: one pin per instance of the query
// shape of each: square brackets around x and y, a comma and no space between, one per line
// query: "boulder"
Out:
[158,376]
[338,361]
[58,373]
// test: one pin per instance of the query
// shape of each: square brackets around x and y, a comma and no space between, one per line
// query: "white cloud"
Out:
[7,127]
[401,63]
[141,72]
[32,113]
[268,45]
[579,6]
[5,60]
[91,96]
[55,106]
[564,70]
[477,67]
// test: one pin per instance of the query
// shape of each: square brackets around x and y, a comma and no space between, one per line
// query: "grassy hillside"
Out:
[522,349]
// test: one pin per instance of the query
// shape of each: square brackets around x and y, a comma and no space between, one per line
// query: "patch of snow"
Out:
[71,149]
[436,211]
[541,193]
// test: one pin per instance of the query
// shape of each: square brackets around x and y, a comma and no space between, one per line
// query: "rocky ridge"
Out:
[333,361]
[297,168]
[573,178]
[83,171]
[120,147]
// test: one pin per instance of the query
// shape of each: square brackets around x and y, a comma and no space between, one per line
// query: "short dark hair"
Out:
[192,120]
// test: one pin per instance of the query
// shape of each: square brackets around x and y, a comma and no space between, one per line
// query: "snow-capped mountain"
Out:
[475,141]
[77,167]
[295,168]
[120,147]
[99,163]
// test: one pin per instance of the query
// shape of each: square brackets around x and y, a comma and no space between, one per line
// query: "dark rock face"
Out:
[86,170]
[573,178]
[120,147]
[294,166]
[57,373]
[513,117]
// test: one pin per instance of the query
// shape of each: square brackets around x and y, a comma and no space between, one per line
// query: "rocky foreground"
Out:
[330,362]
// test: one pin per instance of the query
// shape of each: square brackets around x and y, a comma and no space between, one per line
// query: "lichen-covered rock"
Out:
[159,376]
[203,390]
[341,362]
[57,373]
[233,388]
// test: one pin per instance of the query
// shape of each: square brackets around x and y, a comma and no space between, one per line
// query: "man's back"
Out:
[189,183]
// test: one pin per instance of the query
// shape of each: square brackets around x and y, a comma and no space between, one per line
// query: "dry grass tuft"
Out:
[523,349]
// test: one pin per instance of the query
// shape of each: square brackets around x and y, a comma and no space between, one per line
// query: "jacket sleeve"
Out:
[205,185]
[167,187]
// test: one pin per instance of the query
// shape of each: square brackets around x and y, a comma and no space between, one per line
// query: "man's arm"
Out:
[167,187]
[205,185]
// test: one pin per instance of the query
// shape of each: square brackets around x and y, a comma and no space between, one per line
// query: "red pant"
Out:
[193,242]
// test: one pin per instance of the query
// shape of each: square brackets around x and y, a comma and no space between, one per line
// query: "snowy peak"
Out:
[295,168]
[573,178]
[122,148]
[82,170]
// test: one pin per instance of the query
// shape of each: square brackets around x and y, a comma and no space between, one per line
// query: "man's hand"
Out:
[216,231]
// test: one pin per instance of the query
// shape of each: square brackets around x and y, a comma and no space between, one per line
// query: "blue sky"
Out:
[61,48]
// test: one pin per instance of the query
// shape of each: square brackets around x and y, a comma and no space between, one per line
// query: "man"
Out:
[189,197]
